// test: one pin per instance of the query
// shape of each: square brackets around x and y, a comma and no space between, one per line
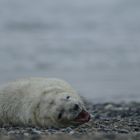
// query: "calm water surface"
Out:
[94,45]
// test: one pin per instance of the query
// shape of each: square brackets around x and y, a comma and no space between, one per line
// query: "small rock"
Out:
[71,132]
[109,106]
[11,132]
[68,129]
[36,131]
[26,134]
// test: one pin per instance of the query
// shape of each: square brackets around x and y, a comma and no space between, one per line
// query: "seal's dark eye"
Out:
[60,114]
[67,97]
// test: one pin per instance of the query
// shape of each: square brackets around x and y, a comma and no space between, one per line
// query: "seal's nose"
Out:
[76,107]
[83,117]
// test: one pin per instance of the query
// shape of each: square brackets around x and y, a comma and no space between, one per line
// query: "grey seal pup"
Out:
[43,102]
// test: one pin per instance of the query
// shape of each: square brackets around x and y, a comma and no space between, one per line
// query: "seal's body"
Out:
[41,102]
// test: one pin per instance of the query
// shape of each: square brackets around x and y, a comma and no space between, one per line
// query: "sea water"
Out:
[94,45]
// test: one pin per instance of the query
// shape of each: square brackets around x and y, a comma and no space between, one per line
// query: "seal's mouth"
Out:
[83,117]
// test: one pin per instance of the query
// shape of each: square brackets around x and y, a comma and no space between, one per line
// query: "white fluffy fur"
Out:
[38,102]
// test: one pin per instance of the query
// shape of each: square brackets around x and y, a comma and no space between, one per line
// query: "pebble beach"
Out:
[109,121]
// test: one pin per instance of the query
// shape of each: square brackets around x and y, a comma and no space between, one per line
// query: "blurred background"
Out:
[94,45]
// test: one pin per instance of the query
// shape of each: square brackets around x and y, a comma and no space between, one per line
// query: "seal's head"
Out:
[71,110]
[65,109]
